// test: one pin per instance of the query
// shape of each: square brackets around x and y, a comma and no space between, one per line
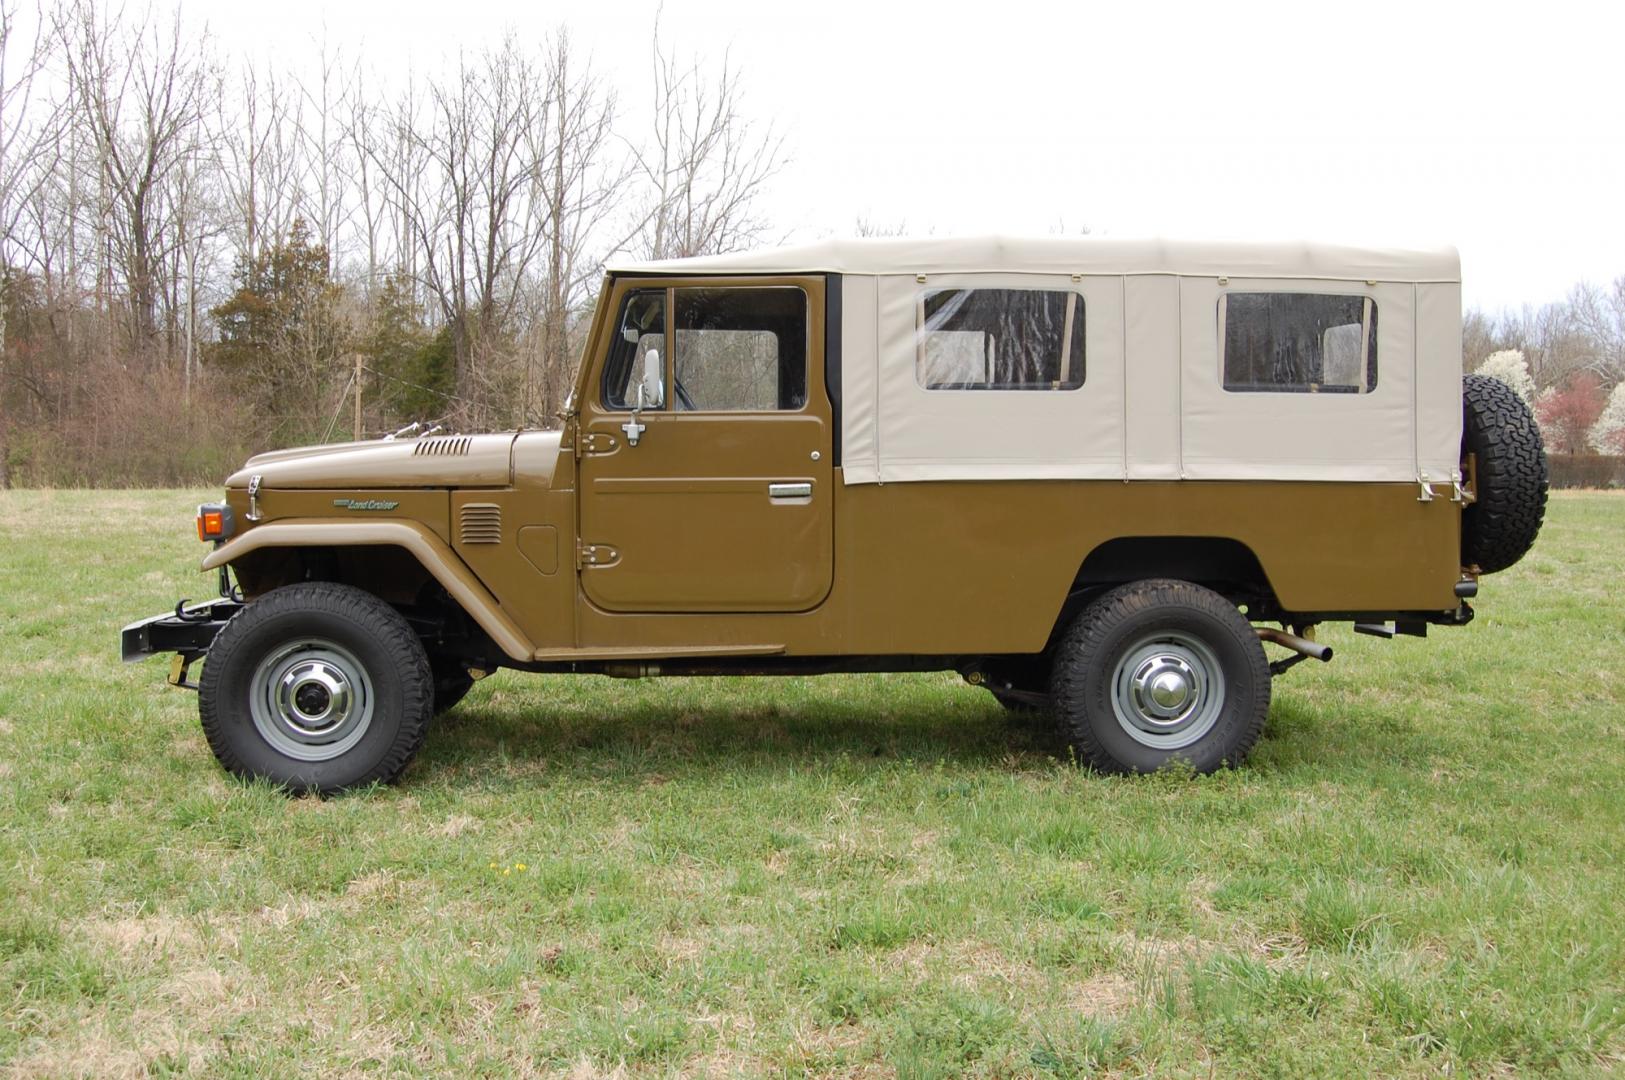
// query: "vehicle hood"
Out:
[436,461]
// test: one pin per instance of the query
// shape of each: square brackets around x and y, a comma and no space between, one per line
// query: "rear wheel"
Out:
[1158,672]
[316,687]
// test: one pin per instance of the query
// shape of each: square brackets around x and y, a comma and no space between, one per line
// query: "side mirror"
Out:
[652,387]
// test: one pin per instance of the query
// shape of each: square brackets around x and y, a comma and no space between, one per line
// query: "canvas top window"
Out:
[1285,342]
[999,339]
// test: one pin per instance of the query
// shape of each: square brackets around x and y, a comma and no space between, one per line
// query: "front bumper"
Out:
[188,631]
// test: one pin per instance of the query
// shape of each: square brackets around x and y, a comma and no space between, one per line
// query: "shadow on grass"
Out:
[613,735]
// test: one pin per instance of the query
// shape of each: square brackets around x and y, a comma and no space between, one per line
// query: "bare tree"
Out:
[26,149]
[705,165]
[361,134]
[149,198]
[325,150]
[868,228]
[580,189]
[1478,338]
[142,95]
[467,180]
[260,159]
[193,208]
[1598,315]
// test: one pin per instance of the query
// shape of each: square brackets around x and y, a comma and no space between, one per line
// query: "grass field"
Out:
[1420,871]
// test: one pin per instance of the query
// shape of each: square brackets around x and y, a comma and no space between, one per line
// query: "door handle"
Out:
[789,491]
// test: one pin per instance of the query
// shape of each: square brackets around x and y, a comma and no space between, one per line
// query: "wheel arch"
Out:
[1223,564]
[401,557]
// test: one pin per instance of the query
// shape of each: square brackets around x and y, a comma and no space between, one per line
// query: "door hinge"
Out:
[596,442]
[595,555]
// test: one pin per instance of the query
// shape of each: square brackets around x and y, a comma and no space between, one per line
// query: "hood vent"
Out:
[449,446]
[481,523]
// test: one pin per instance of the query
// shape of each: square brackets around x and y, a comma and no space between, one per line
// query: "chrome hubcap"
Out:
[311,700]
[1164,688]
[1168,690]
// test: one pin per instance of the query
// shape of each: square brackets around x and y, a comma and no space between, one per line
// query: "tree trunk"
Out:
[5,415]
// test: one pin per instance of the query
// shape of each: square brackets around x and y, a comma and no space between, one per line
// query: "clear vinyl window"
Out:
[1306,343]
[999,339]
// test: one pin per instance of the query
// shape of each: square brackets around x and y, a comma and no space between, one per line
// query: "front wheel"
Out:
[1157,672]
[316,687]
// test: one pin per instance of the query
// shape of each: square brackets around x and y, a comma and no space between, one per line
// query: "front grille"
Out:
[481,523]
[449,446]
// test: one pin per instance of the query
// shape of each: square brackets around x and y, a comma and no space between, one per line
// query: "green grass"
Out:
[1419,871]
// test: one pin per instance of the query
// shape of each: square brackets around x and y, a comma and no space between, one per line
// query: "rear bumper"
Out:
[188,630]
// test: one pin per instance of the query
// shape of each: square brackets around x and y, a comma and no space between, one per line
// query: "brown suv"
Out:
[1079,472]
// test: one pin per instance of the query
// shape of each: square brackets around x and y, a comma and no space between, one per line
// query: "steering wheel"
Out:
[684,402]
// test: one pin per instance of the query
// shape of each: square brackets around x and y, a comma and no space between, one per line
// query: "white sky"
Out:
[1499,128]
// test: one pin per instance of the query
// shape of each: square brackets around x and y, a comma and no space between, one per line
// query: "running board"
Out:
[657,652]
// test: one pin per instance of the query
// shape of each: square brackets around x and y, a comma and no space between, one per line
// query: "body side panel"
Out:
[531,568]
[969,568]
[425,507]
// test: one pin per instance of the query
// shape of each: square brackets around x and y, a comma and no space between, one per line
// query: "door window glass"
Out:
[742,349]
[636,355]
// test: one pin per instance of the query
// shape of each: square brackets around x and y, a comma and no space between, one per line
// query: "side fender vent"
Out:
[450,446]
[481,523]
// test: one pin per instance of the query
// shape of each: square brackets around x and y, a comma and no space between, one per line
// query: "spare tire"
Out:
[1500,526]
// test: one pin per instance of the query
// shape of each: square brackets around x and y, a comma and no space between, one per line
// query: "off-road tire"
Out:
[369,631]
[1123,623]
[1500,527]
[452,682]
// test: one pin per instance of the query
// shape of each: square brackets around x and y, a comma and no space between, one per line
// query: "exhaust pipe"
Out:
[630,669]
[1314,650]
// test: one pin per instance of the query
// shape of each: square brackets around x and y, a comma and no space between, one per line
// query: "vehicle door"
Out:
[705,480]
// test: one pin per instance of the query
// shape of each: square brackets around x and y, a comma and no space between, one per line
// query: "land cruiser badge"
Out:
[365,504]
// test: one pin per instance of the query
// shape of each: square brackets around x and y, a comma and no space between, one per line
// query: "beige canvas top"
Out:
[1078,255]
[1152,404]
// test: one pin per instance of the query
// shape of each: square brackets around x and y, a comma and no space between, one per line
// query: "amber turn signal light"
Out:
[214,522]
